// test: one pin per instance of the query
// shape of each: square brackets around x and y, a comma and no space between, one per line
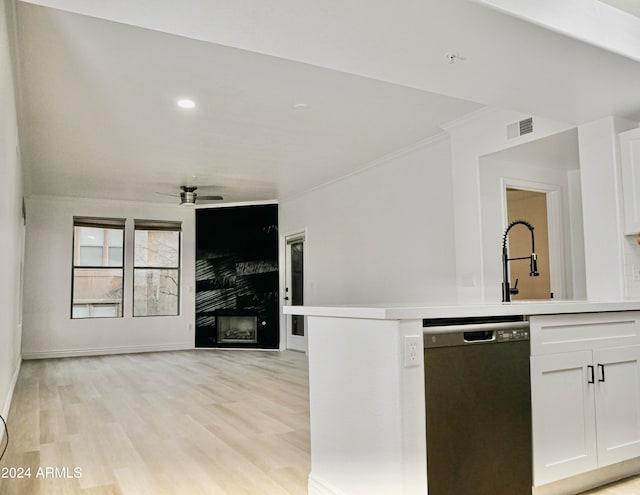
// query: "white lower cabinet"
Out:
[563,416]
[617,391]
[585,410]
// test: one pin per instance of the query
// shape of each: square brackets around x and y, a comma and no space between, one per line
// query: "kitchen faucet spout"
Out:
[507,290]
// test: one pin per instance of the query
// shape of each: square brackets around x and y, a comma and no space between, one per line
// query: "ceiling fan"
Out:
[188,196]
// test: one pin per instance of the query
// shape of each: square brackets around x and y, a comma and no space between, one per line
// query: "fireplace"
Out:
[237,326]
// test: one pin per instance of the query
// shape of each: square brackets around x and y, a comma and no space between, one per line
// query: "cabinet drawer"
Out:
[551,334]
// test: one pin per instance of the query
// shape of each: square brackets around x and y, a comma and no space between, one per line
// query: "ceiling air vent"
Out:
[521,128]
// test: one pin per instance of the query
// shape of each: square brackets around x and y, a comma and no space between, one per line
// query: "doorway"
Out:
[294,291]
[531,206]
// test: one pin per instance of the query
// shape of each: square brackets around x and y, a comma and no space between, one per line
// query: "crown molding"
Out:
[469,117]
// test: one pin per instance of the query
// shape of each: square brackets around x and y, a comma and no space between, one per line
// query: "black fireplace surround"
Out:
[237,277]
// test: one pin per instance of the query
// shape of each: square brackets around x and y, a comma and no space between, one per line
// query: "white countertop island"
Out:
[367,401]
[408,312]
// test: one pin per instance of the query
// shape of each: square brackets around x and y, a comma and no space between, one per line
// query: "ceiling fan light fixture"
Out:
[188,198]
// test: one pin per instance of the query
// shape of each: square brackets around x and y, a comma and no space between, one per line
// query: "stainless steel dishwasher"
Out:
[478,406]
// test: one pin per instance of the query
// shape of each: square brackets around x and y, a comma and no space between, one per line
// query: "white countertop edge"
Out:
[463,310]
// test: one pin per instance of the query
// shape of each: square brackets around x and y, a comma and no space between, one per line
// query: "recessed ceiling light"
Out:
[186,103]
[301,106]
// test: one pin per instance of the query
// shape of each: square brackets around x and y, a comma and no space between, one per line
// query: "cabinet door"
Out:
[630,161]
[617,403]
[563,416]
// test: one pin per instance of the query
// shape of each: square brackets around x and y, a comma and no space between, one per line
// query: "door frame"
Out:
[555,238]
[287,341]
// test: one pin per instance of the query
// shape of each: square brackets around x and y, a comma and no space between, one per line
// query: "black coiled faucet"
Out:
[507,290]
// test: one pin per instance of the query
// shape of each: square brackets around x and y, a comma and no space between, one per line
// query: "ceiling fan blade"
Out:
[168,194]
[209,198]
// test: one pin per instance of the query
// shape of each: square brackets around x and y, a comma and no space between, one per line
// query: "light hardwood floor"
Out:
[189,422]
[630,486]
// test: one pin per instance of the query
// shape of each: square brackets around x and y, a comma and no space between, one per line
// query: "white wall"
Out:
[384,235]
[576,234]
[471,138]
[11,227]
[631,257]
[544,177]
[48,328]
[613,261]
[602,206]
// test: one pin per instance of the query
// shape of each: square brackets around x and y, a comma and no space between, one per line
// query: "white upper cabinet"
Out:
[630,161]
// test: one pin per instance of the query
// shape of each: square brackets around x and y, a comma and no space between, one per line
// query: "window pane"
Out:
[157,248]
[80,311]
[297,286]
[97,291]
[155,292]
[116,237]
[97,286]
[90,236]
[91,243]
[115,256]
[104,310]
[90,256]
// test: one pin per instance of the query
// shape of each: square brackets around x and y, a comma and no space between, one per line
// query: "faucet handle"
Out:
[514,290]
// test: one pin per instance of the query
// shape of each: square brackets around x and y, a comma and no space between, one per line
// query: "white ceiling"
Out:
[97,97]
[630,6]
[101,120]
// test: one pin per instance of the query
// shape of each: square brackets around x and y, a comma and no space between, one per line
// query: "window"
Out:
[156,268]
[98,267]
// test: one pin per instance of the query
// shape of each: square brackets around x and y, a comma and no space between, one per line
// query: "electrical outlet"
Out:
[412,348]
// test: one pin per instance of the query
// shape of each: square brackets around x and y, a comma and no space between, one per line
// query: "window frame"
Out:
[163,226]
[96,223]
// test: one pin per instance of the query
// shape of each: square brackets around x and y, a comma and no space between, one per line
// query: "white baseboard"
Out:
[12,386]
[591,479]
[103,351]
[7,401]
[318,486]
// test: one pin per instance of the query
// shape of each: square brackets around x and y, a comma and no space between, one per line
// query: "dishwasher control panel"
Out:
[508,335]
[445,332]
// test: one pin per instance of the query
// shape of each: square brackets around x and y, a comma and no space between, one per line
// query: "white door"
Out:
[563,416]
[617,403]
[294,291]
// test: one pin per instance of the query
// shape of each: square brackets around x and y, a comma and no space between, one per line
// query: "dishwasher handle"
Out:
[476,327]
